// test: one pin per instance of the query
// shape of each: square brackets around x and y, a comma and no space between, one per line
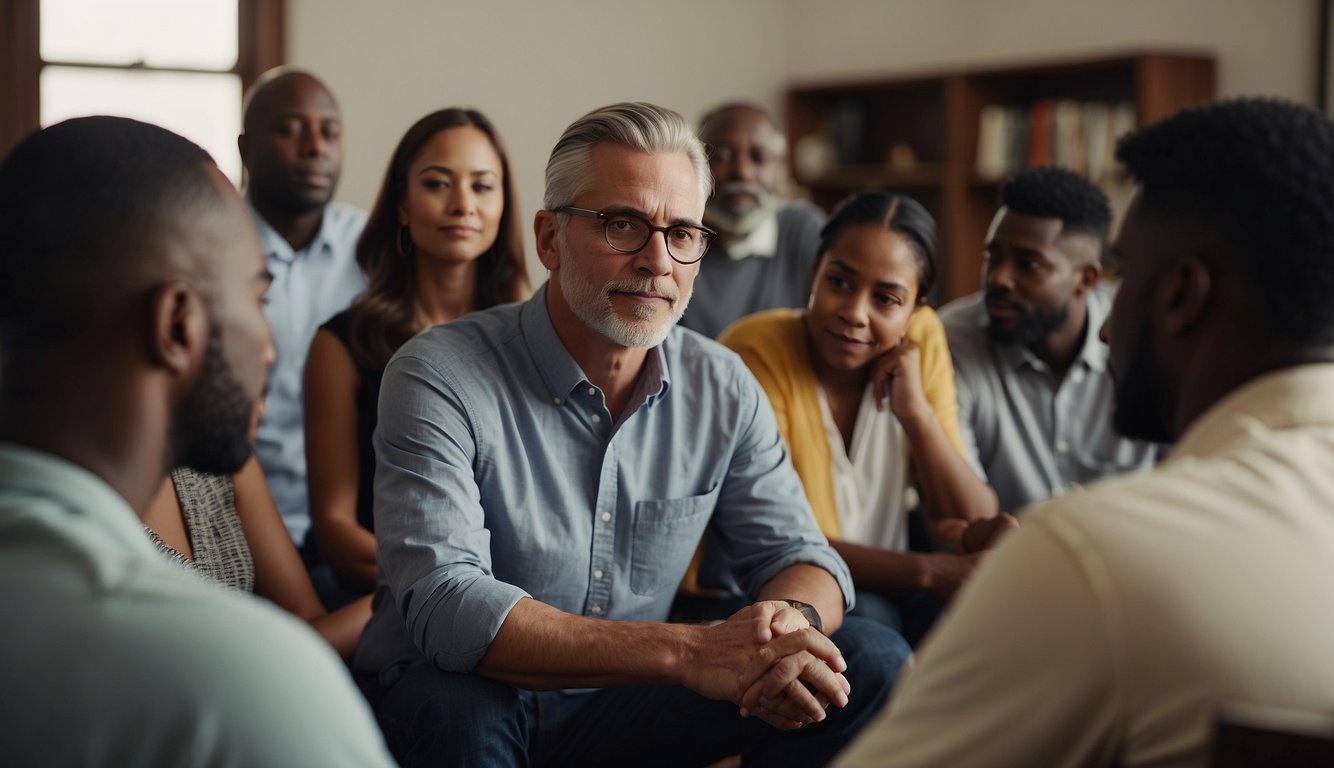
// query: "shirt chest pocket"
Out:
[664,538]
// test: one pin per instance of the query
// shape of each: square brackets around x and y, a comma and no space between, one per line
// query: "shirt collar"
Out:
[561,375]
[762,241]
[276,246]
[1286,398]
[81,493]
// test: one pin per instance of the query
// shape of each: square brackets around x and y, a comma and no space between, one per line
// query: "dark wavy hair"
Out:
[381,318]
[1259,173]
[898,213]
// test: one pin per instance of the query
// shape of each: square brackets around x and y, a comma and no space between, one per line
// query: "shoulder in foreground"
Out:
[1134,501]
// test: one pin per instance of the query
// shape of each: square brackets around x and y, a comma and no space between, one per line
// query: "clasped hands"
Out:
[773,664]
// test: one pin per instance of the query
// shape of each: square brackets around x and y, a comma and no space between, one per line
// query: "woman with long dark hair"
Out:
[443,239]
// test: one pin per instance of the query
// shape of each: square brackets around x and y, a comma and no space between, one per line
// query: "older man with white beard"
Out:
[545,470]
[764,255]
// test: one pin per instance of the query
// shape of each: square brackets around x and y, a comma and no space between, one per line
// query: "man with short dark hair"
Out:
[544,473]
[1033,387]
[132,341]
[764,254]
[292,149]
[1119,618]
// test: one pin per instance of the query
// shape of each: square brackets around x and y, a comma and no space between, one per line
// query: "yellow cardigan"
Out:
[774,346]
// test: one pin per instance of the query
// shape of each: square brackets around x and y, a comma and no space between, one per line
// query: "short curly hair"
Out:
[1260,173]
[1051,192]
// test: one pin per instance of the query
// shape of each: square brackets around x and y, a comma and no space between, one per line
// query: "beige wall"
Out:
[1262,46]
[534,66]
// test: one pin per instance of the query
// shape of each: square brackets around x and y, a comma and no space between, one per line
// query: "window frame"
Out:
[260,46]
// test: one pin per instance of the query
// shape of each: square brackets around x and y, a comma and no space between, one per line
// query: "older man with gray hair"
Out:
[545,471]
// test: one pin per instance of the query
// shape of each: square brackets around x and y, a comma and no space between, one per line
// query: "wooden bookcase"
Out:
[919,134]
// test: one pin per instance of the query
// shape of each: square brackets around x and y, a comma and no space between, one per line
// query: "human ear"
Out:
[1188,292]
[1089,275]
[546,231]
[179,328]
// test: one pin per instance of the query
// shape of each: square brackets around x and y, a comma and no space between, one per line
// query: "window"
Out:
[183,64]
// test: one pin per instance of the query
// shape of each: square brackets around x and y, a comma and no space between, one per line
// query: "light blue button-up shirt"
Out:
[501,474]
[1031,435]
[114,655]
[309,286]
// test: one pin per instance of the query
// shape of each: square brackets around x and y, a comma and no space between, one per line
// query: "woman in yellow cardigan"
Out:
[867,339]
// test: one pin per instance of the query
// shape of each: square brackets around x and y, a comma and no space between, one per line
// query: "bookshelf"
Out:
[921,135]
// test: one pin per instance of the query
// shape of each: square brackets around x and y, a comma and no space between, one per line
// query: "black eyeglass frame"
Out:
[607,216]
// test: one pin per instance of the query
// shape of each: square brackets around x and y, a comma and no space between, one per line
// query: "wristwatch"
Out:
[808,610]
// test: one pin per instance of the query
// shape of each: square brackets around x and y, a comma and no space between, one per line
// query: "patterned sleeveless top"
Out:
[208,504]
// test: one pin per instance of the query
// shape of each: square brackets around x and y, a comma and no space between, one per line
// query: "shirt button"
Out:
[592,391]
[1077,375]
[597,574]
[596,418]
[596,610]
[1062,446]
[606,516]
[556,400]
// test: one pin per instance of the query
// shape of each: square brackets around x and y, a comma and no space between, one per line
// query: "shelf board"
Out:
[875,175]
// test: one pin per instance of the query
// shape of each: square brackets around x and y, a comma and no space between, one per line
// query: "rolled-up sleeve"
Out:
[433,547]
[763,520]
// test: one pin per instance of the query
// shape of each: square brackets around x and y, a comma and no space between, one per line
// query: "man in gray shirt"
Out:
[764,254]
[1035,395]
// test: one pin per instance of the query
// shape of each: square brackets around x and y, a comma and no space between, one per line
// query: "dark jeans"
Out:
[435,718]
[911,615]
[331,593]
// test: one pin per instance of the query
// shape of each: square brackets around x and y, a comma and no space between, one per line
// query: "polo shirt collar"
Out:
[81,493]
[560,374]
[276,247]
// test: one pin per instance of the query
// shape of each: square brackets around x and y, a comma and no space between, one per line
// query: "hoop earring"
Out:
[403,250]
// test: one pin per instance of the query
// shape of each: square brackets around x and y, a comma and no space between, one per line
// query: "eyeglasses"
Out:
[628,233]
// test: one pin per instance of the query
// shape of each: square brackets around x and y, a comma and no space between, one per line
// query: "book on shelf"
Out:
[1080,135]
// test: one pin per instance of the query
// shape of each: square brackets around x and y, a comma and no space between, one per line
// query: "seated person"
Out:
[762,256]
[865,337]
[291,147]
[227,527]
[443,239]
[1109,629]
[544,472]
[132,339]
[1035,394]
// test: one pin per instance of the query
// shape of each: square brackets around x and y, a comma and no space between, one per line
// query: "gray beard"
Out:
[592,305]
[739,223]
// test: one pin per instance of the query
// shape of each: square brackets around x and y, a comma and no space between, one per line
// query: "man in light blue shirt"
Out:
[131,343]
[292,152]
[1035,394]
[545,472]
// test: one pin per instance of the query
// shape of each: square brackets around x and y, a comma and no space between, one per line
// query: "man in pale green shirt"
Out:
[132,340]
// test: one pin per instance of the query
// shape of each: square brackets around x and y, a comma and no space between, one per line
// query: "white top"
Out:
[116,656]
[761,242]
[871,481]
[1110,627]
